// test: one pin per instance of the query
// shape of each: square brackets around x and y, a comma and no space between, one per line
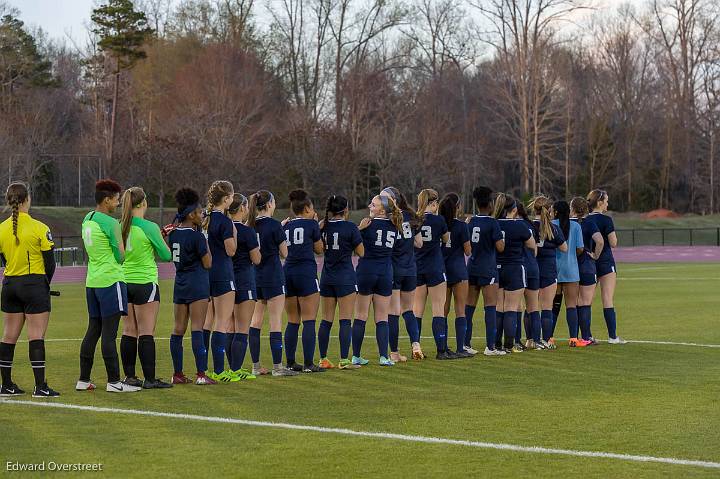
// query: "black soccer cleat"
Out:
[10,390]
[133,381]
[298,368]
[312,368]
[156,384]
[463,354]
[45,391]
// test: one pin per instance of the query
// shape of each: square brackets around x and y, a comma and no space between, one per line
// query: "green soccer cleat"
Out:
[359,361]
[229,376]
[243,374]
[347,364]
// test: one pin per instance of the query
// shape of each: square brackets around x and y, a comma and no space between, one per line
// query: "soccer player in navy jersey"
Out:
[246,257]
[454,251]
[550,238]
[513,279]
[222,240]
[531,310]
[606,271]
[269,281]
[432,281]
[594,242]
[192,259]
[302,296]
[404,278]
[375,275]
[338,282]
[486,240]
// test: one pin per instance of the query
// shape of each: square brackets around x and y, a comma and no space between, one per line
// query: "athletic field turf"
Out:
[477,417]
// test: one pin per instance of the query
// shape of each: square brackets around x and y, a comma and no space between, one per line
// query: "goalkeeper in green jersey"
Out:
[106,291]
[143,240]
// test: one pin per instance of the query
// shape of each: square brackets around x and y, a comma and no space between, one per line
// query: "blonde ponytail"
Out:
[425,197]
[131,198]
[541,207]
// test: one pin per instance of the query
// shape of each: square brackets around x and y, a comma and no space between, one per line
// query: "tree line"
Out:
[343,96]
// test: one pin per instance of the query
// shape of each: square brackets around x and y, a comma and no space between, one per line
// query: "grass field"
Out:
[646,399]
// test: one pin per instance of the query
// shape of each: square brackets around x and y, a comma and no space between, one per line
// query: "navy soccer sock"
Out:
[324,337]
[199,351]
[460,331]
[206,338]
[381,335]
[217,344]
[583,313]
[291,340]
[358,334]
[572,320]
[490,326]
[230,337]
[517,334]
[611,322]
[239,346]
[418,320]
[276,347]
[469,313]
[412,326]
[499,328]
[535,326]
[345,337]
[509,320]
[254,344]
[176,351]
[438,329]
[393,331]
[546,321]
[308,341]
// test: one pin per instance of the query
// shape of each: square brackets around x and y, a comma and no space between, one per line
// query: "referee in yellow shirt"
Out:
[27,246]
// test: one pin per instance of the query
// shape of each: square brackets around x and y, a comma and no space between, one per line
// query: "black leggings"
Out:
[106,330]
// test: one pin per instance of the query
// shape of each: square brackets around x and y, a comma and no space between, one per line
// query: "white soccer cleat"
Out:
[470,350]
[84,386]
[493,352]
[120,387]
[617,340]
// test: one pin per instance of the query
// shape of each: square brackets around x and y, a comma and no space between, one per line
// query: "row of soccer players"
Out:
[407,257]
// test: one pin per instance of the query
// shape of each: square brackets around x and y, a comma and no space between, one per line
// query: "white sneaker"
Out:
[84,386]
[493,352]
[470,350]
[121,387]
[617,340]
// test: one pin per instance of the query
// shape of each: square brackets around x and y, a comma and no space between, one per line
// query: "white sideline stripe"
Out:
[378,435]
[640,341]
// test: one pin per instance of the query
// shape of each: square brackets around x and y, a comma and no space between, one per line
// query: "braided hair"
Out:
[16,194]
[218,190]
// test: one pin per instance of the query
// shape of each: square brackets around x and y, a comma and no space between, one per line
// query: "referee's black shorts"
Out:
[29,294]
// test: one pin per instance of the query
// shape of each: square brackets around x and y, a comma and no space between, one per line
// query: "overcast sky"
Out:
[68,18]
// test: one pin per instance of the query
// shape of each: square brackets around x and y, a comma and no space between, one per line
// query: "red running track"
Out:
[638,254]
